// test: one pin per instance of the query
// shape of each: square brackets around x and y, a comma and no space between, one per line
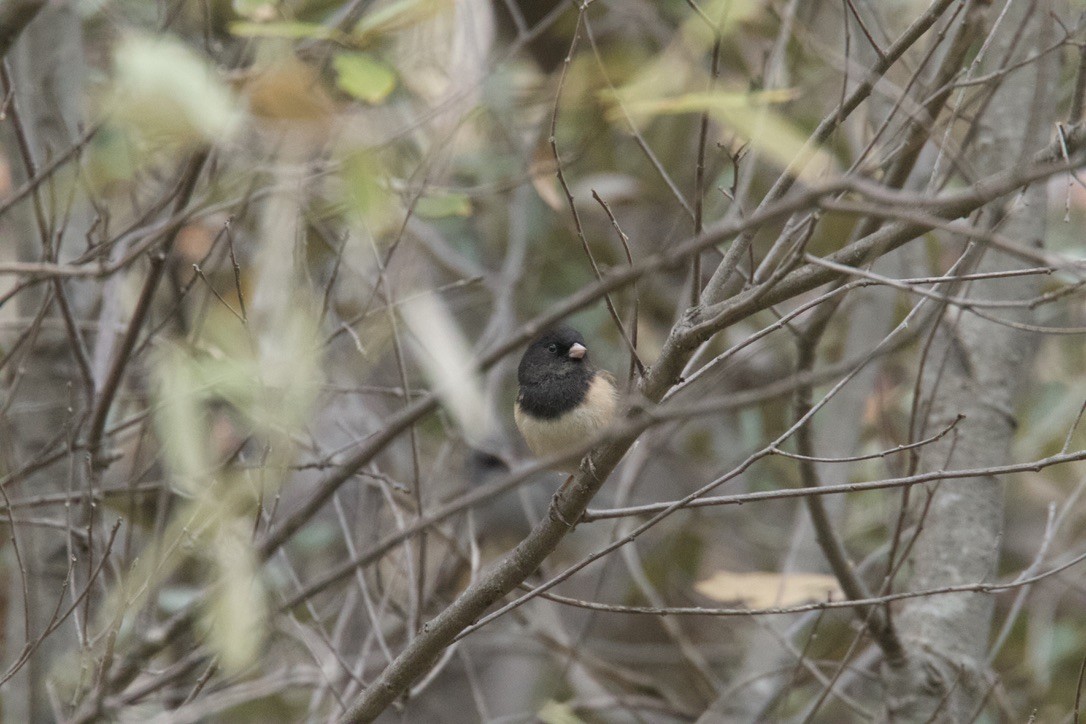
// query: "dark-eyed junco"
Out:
[563,400]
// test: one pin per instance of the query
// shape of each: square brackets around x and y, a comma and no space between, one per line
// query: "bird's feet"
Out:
[590,466]
[555,511]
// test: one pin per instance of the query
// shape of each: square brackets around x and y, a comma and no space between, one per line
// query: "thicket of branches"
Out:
[267,268]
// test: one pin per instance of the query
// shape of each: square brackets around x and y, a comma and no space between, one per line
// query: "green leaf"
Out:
[444,205]
[364,77]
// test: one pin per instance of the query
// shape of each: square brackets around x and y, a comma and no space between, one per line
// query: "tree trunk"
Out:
[974,369]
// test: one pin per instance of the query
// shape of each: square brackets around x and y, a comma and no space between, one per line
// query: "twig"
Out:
[553,140]
[879,626]
[1078,691]
[882,484]
[699,176]
[818,605]
[714,290]
[112,382]
[635,361]
[1077,100]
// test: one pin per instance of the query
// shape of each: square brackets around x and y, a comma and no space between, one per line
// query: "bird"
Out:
[563,399]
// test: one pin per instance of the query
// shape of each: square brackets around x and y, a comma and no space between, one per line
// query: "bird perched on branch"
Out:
[563,400]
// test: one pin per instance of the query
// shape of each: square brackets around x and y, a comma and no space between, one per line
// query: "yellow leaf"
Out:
[282,29]
[446,358]
[180,421]
[762,590]
[398,16]
[544,179]
[165,92]
[238,610]
[658,89]
[255,9]
[365,191]
[558,712]
[713,101]
[745,114]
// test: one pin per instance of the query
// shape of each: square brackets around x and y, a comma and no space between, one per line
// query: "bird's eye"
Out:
[552,348]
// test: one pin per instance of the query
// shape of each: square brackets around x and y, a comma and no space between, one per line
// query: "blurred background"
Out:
[239,241]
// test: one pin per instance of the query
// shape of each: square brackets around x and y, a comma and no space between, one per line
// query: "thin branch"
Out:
[635,361]
[699,175]
[837,489]
[1013,585]
[113,378]
[715,290]
[553,140]
[880,628]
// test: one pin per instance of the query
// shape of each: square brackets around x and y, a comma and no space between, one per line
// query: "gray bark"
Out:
[974,369]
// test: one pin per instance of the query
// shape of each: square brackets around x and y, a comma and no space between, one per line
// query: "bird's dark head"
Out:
[556,353]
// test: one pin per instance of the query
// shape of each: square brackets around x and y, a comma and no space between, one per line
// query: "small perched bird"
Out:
[563,400]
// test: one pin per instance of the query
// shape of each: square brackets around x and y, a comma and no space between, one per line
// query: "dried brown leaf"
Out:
[761,589]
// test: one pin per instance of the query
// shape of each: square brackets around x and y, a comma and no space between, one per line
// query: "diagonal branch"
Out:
[112,382]
[571,502]
[15,15]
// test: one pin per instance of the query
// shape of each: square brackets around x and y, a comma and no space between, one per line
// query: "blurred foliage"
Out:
[380,206]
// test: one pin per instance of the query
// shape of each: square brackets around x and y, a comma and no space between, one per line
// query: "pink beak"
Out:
[577,351]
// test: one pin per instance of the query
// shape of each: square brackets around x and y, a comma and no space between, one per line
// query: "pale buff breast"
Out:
[574,428]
